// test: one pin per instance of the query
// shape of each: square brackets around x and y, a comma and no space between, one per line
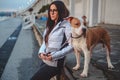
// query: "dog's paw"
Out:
[83,75]
[110,66]
[76,67]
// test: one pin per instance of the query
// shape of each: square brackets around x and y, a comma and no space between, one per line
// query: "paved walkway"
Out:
[23,61]
[7,28]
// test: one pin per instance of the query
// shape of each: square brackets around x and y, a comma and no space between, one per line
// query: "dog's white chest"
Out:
[79,43]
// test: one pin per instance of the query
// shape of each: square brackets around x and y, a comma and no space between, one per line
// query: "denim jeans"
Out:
[47,72]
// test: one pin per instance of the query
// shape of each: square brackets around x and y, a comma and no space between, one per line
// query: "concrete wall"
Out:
[112,12]
[104,11]
[78,8]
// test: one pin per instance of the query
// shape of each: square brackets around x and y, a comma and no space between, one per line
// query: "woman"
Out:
[52,51]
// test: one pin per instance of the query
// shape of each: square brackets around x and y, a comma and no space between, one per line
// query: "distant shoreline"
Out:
[6,14]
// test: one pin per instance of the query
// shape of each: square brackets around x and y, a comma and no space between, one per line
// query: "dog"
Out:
[85,39]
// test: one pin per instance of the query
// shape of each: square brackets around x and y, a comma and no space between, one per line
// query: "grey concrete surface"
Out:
[23,62]
[7,27]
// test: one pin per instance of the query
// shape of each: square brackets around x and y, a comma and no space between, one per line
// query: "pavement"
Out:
[7,27]
[23,61]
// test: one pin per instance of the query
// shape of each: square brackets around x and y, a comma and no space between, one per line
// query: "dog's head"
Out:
[78,25]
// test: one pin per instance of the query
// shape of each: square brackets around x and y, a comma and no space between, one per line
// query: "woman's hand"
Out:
[45,57]
[49,57]
[42,56]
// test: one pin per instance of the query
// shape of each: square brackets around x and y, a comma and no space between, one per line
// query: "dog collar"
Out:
[76,37]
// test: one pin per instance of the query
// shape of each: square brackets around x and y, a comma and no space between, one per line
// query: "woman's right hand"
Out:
[42,56]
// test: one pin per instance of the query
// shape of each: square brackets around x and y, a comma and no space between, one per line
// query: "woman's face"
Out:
[53,13]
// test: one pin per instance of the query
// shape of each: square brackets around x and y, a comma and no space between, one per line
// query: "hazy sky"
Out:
[14,4]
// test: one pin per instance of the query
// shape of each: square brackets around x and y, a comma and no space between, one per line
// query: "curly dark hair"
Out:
[62,13]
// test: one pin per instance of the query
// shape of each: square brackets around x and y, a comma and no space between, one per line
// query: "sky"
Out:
[13,5]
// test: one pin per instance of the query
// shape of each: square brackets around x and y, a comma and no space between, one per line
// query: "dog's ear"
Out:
[68,19]
[84,20]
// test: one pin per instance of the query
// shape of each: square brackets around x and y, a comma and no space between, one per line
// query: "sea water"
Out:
[5,15]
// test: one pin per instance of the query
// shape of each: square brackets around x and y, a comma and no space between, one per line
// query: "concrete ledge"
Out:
[37,34]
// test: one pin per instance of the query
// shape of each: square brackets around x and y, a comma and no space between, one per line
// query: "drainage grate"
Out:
[6,49]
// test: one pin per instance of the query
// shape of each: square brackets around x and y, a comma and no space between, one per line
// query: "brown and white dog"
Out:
[85,39]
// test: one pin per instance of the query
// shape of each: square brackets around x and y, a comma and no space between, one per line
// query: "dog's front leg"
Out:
[86,62]
[77,55]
